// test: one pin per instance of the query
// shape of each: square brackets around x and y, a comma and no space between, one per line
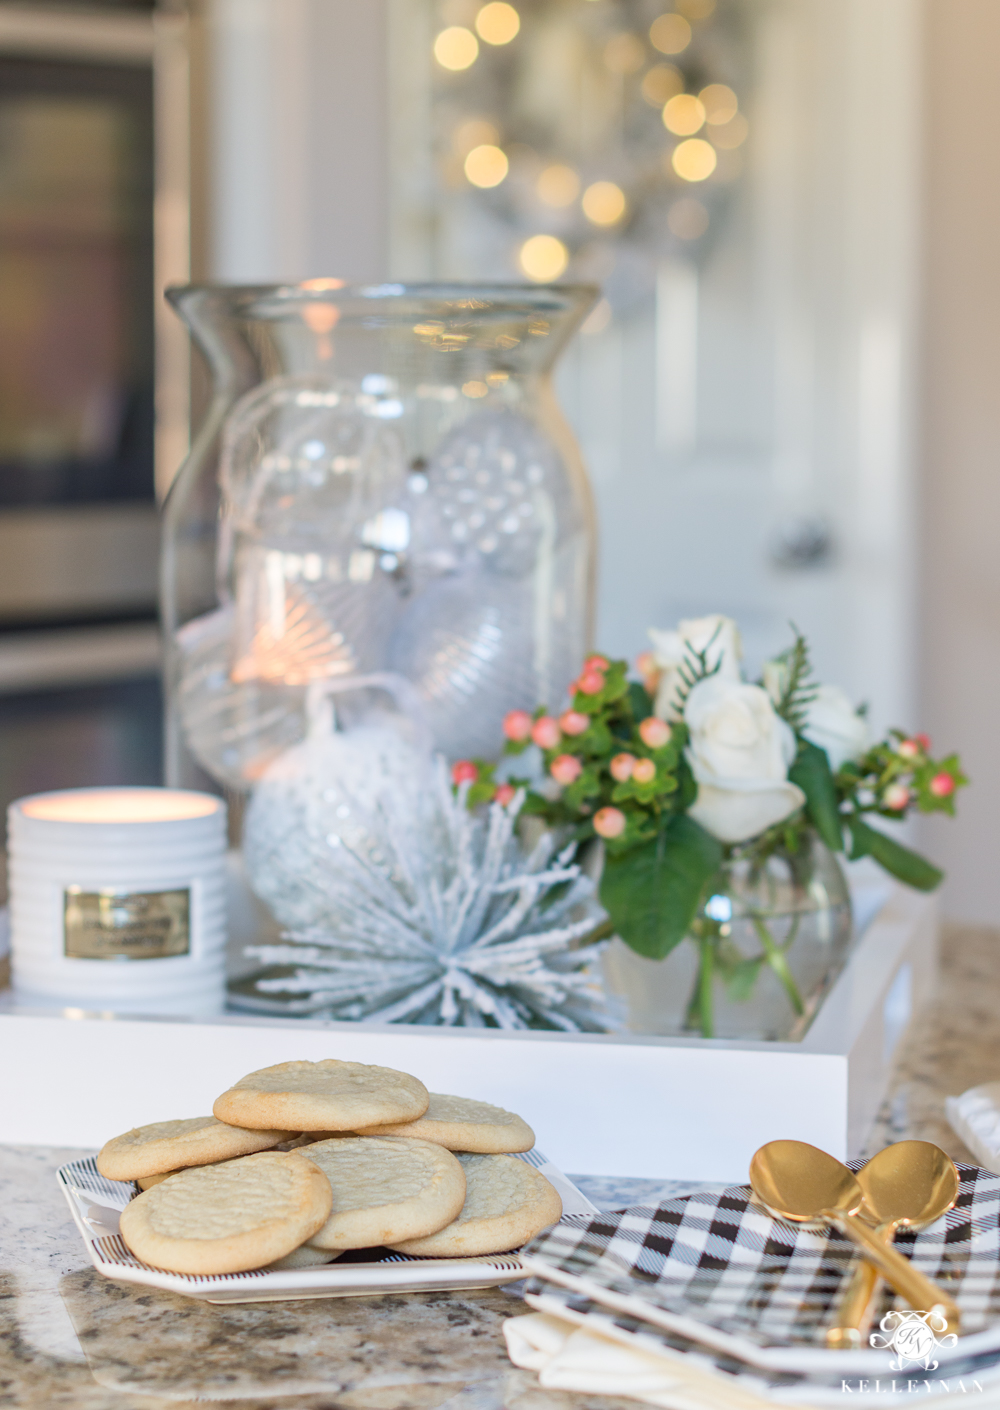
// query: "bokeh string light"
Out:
[498,23]
[579,125]
[456,48]
[543,258]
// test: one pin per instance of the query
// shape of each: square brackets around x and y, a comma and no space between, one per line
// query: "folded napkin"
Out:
[707,1300]
[975,1116]
[572,1357]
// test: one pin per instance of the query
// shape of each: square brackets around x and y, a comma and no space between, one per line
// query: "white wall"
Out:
[297,103]
[960,560]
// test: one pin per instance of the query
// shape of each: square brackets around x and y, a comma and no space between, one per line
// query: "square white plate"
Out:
[96,1203]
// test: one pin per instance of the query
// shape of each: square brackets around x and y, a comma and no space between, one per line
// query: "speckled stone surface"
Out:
[69,1337]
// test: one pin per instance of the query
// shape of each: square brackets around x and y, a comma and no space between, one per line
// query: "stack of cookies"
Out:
[302,1161]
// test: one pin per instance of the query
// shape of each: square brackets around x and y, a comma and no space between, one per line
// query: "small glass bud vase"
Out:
[769,938]
[384,483]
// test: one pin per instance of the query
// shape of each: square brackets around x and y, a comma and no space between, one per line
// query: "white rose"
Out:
[740,753]
[717,636]
[833,723]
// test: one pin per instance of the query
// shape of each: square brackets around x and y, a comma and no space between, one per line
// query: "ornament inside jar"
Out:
[319,796]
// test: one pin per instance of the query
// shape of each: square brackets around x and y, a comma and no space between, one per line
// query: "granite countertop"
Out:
[72,1338]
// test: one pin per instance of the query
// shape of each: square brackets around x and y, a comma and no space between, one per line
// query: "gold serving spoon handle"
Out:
[857,1306]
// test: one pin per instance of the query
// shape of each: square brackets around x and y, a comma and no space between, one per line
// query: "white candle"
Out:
[117,899]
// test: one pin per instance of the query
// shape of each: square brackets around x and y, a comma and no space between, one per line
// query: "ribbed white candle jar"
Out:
[117,899]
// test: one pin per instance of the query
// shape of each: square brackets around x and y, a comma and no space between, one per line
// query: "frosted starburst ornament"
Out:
[431,914]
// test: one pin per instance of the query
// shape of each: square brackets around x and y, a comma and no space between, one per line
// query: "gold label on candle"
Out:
[126,925]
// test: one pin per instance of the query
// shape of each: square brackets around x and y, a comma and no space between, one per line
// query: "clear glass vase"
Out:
[768,940]
[384,483]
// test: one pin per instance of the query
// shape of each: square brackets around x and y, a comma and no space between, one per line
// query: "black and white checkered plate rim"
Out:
[719,1270]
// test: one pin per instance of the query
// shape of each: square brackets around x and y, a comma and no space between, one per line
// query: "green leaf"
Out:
[899,861]
[688,788]
[586,786]
[640,700]
[811,771]
[652,892]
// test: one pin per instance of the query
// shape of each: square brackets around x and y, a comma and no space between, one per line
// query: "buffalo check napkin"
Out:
[712,1286]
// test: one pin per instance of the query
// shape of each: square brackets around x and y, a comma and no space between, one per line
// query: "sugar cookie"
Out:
[174,1145]
[228,1218]
[383,1186]
[304,1257]
[507,1202]
[322,1096]
[462,1124]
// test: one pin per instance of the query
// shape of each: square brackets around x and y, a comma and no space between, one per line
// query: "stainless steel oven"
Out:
[91,222]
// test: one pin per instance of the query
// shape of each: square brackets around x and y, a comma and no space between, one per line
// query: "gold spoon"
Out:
[909,1185]
[799,1182]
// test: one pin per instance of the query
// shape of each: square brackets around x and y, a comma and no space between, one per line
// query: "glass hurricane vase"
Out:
[767,942]
[384,483]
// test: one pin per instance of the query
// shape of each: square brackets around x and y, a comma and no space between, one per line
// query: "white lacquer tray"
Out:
[96,1203]
[609,1103]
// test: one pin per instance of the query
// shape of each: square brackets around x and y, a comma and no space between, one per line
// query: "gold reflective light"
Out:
[624,53]
[670,34]
[486,166]
[542,258]
[474,132]
[558,185]
[720,103]
[683,115]
[497,22]
[604,203]
[661,83]
[687,218]
[474,389]
[694,160]
[456,48]
[733,134]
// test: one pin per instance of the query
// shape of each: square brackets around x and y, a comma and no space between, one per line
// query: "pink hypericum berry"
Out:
[908,748]
[572,722]
[591,682]
[644,771]
[896,797]
[942,785]
[505,792]
[517,725]
[464,771]
[654,733]
[609,822]
[566,769]
[596,663]
[645,664]
[545,732]
[924,740]
[622,766]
